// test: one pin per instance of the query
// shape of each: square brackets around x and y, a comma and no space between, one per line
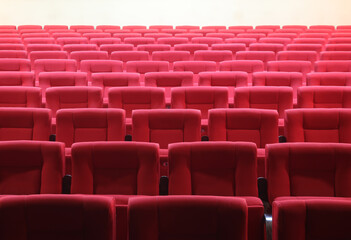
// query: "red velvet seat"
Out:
[333,66]
[88,55]
[96,35]
[329,79]
[170,56]
[116,47]
[47,55]
[311,56]
[15,64]
[335,55]
[31,167]
[195,67]
[338,47]
[100,66]
[19,96]
[25,124]
[311,219]
[165,126]
[233,47]
[318,125]
[13,54]
[168,80]
[303,67]
[54,65]
[308,170]
[139,40]
[194,169]
[213,55]
[126,56]
[38,40]
[11,46]
[247,41]
[304,47]
[70,44]
[249,66]
[143,67]
[264,56]
[150,48]
[198,217]
[57,216]
[17,79]
[172,41]
[206,40]
[251,125]
[190,47]
[132,98]
[273,47]
[80,47]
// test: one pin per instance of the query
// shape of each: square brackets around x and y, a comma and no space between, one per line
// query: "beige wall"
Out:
[176,12]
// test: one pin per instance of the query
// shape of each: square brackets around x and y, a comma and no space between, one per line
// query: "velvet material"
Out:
[338,47]
[110,48]
[328,79]
[17,79]
[324,97]
[206,40]
[42,47]
[102,41]
[25,124]
[143,67]
[13,54]
[47,55]
[118,168]
[190,47]
[213,55]
[170,56]
[15,65]
[184,217]
[318,125]
[75,47]
[153,47]
[131,55]
[67,40]
[249,66]
[54,65]
[88,55]
[233,47]
[312,219]
[56,217]
[304,47]
[308,169]
[335,55]
[303,67]
[194,66]
[20,97]
[273,47]
[86,125]
[73,97]
[100,66]
[31,167]
[38,40]
[333,66]
[262,55]
[311,56]
[139,40]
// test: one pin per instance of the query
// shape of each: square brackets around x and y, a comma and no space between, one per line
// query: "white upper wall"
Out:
[176,12]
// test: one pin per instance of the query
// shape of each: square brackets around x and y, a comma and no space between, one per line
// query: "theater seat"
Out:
[79,47]
[303,67]
[329,79]
[308,170]
[251,125]
[165,126]
[132,98]
[15,64]
[311,219]
[88,55]
[57,216]
[318,125]
[54,65]
[87,125]
[143,67]
[198,217]
[47,55]
[194,169]
[31,167]
[195,67]
[100,66]
[116,47]
[249,66]
[264,56]
[19,96]
[170,56]
[17,79]
[333,66]
[25,124]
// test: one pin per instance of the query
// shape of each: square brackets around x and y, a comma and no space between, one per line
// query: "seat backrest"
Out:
[213,55]
[43,47]
[194,66]
[264,56]
[73,97]
[303,67]
[87,125]
[131,98]
[110,48]
[335,55]
[47,55]
[304,47]
[31,167]
[131,55]
[273,47]
[248,66]
[198,217]
[308,169]
[13,53]
[15,64]
[99,66]
[147,66]
[318,125]
[201,98]
[250,125]
[20,96]
[80,46]
[194,169]
[170,56]
[25,124]
[165,126]
[324,97]
[276,98]
[54,65]
[333,66]
[190,47]
[51,216]
[304,219]
[328,79]
[150,48]
[17,79]
[119,168]
[297,56]
[88,55]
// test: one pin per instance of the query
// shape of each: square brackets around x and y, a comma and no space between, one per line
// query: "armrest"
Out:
[66,184]
[282,139]
[263,194]
[52,137]
[268,220]
[163,185]
[128,138]
[205,138]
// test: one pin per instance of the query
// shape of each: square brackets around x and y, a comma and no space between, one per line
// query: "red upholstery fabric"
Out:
[79,47]
[96,35]
[308,169]
[17,79]
[168,80]
[213,55]
[195,170]
[59,79]
[184,217]
[335,55]
[318,125]
[282,40]
[128,168]
[73,97]
[277,98]
[31,167]
[86,125]
[70,43]
[190,47]
[88,55]
[20,97]
[11,46]
[57,216]
[311,219]
[304,47]
[131,55]
[13,54]
[25,124]
[338,47]
[172,40]
[303,67]
[131,98]
[54,65]
[241,40]
[38,40]
[333,66]
[310,40]
[150,48]
[143,67]
[139,40]
[15,64]
[273,47]
[329,79]
[47,55]
[206,40]
[43,47]
[249,66]
[99,66]
[289,79]
[264,56]
[324,97]
[233,47]
[116,47]
[170,56]
[125,35]
[311,56]
[202,98]
[194,66]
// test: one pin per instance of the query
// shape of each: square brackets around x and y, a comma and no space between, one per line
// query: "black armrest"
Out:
[128,138]
[262,188]
[268,220]
[66,184]
[163,185]
[282,139]
[52,137]
[205,138]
